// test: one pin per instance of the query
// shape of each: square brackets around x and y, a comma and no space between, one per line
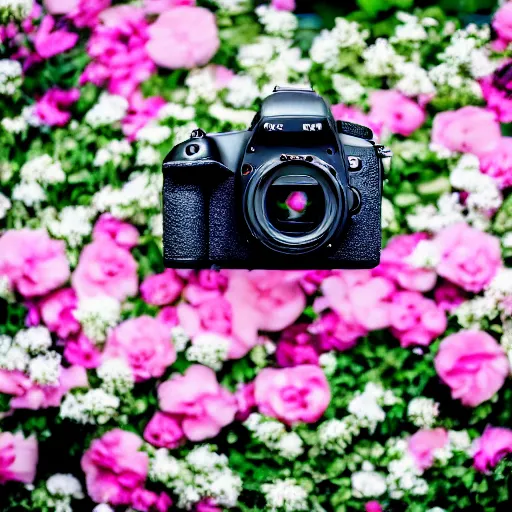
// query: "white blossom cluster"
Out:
[241,118]
[180,338]
[95,406]
[64,485]
[433,219]
[277,22]
[154,133]
[181,133]
[114,152]
[147,156]
[234,6]
[348,89]
[285,495]
[72,223]
[201,87]
[242,91]
[44,369]
[426,254]
[368,483]
[5,205]
[117,377]
[209,349]
[412,28]
[140,193]
[413,80]
[97,315]
[202,474]
[381,58]
[10,74]
[177,111]
[33,340]
[328,363]
[15,10]
[156,225]
[330,46]
[335,435]
[30,194]
[109,109]
[14,125]
[423,412]
[43,169]
[274,436]
[405,477]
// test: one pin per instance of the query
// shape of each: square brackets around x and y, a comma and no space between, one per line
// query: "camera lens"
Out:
[294,206]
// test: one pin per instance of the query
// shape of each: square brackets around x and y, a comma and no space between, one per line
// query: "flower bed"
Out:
[125,386]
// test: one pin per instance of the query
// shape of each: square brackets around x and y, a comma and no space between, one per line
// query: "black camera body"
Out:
[297,190]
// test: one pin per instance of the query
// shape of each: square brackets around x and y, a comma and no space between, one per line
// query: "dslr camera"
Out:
[297,190]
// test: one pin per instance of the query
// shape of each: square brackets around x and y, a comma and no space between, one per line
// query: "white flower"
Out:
[148,156]
[381,58]
[277,22]
[113,152]
[368,484]
[42,169]
[163,467]
[432,219]
[348,89]
[45,369]
[182,133]
[328,362]
[203,458]
[414,80]
[14,124]
[10,72]
[423,411]
[337,434]
[201,85]
[242,118]
[95,406]
[290,446]
[459,440]
[242,91]
[5,205]
[234,6]
[14,358]
[109,109]
[73,224]
[102,507]
[285,495]
[156,225]
[177,111]
[426,254]
[29,194]
[154,133]
[65,485]
[365,407]
[180,338]
[116,375]
[97,315]
[210,349]
[34,339]
[411,30]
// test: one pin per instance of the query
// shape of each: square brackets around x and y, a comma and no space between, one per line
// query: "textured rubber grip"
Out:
[356,130]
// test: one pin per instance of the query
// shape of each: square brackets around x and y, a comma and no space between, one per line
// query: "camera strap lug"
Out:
[383,151]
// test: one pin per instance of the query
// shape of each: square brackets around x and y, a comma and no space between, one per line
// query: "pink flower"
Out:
[494,445]
[184,37]
[337,333]
[122,233]
[212,315]
[502,22]
[141,110]
[292,394]
[343,112]
[498,163]
[164,431]
[87,12]
[161,289]
[416,320]
[204,405]
[52,108]
[473,365]
[57,311]
[424,443]
[245,400]
[449,297]
[373,506]
[264,300]
[467,130]
[33,263]
[168,316]
[160,6]
[27,395]
[60,6]
[206,285]
[312,279]
[18,458]
[297,201]
[147,501]
[145,344]
[297,346]
[394,265]
[82,352]
[496,90]
[49,42]
[114,467]
[207,505]
[223,75]
[395,112]
[283,5]
[470,258]
[105,268]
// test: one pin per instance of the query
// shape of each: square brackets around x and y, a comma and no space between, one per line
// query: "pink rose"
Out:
[467,130]
[53,108]
[82,352]
[495,443]
[245,400]
[266,300]
[57,311]
[211,315]
[33,263]
[105,268]
[205,406]
[498,163]
[473,365]
[168,316]
[114,467]
[297,346]
[122,233]
[164,431]
[395,267]
[145,344]
[292,394]
[470,258]
[18,458]
[337,333]
[49,42]
[160,6]
[149,501]
[312,279]
[496,91]
[161,289]
[27,395]
[184,37]
[424,443]
[396,112]
[206,285]
[502,22]
[449,297]
[283,5]
[416,320]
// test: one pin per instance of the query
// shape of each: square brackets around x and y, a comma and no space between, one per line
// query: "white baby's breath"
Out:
[10,70]
[109,109]
[97,315]
[285,495]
